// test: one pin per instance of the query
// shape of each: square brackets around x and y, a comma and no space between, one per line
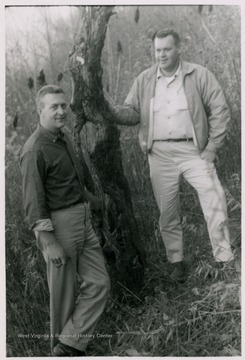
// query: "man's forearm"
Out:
[125,115]
[216,140]
[218,112]
[46,238]
[44,232]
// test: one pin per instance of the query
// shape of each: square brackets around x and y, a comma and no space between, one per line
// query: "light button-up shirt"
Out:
[170,112]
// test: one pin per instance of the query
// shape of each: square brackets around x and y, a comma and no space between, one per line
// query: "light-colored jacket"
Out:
[207,105]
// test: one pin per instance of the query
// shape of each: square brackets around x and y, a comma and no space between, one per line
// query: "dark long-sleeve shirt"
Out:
[54,175]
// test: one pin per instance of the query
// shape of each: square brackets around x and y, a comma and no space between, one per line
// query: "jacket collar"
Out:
[186,68]
[152,73]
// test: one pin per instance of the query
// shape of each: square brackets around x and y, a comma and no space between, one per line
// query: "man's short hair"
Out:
[165,32]
[47,89]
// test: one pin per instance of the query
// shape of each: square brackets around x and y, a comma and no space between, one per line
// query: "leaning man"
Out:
[183,117]
[55,177]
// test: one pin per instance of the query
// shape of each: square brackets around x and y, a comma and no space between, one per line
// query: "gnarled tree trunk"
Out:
[118,229]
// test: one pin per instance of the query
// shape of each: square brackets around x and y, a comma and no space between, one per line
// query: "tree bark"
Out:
[118,228]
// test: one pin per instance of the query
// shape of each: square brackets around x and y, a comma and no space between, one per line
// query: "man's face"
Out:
[166,53]
[53,112]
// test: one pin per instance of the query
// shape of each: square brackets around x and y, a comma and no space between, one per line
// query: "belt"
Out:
[70,206]
[175,140]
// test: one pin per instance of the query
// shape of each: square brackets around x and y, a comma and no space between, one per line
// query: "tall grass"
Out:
[198,318]
[26,286]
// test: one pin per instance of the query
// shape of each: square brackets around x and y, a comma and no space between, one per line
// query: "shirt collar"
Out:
[176,74]
[49,135]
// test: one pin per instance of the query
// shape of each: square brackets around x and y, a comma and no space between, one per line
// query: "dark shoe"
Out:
[234,264]
[178,273]
[64,350]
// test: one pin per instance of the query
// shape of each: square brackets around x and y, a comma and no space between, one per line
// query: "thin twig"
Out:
[129,291]
[154,332]
[122,307]
[118,75]
[207,31]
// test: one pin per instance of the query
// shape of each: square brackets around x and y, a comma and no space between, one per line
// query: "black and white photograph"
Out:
[122,167]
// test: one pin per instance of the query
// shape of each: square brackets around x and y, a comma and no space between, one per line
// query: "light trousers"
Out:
[168,161]
[73,318]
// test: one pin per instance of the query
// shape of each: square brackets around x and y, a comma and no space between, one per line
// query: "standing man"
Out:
[183,118]
[55,202]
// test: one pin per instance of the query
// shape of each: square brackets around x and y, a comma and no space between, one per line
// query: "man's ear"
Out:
[39,110]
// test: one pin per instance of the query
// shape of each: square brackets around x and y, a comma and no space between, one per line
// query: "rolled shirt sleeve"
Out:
[43,225]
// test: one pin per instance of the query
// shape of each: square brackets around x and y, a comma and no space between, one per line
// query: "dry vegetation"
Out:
[201,317]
